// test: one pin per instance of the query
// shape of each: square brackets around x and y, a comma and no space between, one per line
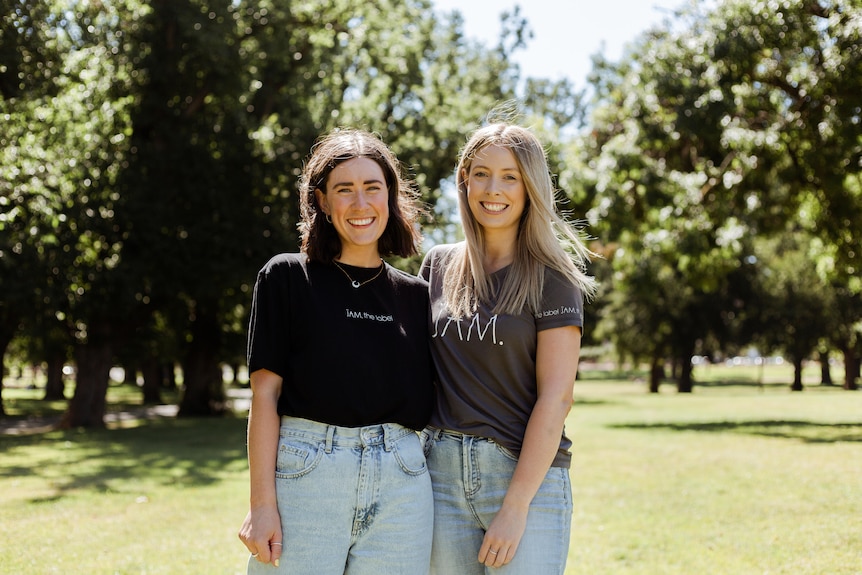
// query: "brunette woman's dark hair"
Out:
[320,240]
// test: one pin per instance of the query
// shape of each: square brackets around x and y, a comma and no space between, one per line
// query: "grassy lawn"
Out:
[736,478]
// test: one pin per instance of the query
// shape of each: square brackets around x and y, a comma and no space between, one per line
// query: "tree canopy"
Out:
[149,153]
[723,127]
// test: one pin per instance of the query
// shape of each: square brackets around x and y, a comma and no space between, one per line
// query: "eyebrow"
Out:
[506,169]
[348,184]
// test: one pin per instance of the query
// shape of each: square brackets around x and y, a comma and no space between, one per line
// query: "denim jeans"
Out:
[352,500]
[470,476]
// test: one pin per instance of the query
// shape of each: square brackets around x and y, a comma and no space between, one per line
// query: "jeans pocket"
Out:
[408,452]
[506,451]
[296,458]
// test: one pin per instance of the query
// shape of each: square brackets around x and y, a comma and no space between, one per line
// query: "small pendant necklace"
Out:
[353,282]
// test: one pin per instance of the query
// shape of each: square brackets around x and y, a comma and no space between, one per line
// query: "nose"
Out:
[361,199]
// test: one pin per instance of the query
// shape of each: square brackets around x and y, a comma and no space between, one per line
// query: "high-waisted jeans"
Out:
[352,500]
[470,476]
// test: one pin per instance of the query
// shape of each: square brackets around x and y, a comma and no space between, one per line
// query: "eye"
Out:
[480,174]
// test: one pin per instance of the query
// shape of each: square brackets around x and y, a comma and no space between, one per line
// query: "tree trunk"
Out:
[130,375]
[87,406]
[797,375]
[169,376]
[203,392]
[825,372]
[851,368]
[151,370]
[4,344]
[55,388]
[656,374]
[685,383]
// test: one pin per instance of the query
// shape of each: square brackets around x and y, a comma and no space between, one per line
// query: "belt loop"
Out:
[330,433]
[435,433]
[388,436]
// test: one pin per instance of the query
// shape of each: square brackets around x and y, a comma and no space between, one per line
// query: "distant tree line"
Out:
[725,153]
[149,153]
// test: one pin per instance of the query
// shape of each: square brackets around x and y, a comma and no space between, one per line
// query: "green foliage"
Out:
[718,128]
[150,153]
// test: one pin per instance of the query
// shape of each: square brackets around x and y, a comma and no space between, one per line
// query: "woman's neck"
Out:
[366,258]
[499,251]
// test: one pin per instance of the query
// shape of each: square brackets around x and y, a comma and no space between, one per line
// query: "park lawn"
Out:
[731,479]
[161,497]
[727,480]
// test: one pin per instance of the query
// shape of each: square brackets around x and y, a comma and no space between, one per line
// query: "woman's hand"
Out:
[503,536]
[261,534]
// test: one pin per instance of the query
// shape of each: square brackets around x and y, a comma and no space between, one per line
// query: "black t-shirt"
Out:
[347,356]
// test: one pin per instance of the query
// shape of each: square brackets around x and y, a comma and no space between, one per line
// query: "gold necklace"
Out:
[353,282]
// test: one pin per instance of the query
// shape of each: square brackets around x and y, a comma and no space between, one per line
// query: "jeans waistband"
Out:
[385,434]
[437,433]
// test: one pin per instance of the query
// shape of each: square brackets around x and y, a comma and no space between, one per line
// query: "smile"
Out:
[494,206]
[361,222]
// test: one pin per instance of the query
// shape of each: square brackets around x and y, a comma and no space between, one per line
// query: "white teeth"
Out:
[494,207]
[362,222]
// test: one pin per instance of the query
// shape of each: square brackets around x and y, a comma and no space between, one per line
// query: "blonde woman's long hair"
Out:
[545,237]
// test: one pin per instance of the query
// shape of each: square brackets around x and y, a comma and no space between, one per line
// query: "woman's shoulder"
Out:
[402,278]
[442,251]
[284,262]
[558,282]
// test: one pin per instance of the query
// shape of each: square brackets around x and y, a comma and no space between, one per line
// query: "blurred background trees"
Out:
[149,152]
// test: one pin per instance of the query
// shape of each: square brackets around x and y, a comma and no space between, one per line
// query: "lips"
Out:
[494,206]
[361,222]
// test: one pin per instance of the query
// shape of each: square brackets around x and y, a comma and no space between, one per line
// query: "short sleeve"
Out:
[562,303]
[267,331]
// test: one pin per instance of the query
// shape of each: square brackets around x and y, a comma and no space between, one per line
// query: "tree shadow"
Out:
[185,452]
[806,431]
[579,401]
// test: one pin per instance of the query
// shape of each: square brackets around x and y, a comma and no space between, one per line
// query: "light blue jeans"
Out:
[352,500]
[470,476]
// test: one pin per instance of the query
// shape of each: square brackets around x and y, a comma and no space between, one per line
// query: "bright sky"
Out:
[565,32]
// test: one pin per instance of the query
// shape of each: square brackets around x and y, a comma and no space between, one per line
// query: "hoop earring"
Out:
[328,218]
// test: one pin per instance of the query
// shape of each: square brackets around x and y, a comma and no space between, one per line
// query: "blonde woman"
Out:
[507,314]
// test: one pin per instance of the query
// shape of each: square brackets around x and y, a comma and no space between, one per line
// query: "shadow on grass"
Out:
[587,374]
[807,431]
[579,401]
[184,452]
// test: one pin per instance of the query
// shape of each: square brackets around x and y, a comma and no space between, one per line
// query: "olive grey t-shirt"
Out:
[486,363]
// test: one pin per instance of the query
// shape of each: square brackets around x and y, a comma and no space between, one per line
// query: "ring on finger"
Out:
[492,551]
[255,554]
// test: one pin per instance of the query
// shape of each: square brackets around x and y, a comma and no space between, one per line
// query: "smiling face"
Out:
[495,190]
[357,200]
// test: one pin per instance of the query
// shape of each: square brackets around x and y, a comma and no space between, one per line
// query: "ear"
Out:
[321,200]
[463,178]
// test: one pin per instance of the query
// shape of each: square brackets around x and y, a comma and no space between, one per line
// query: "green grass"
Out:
[164,497]
[732,479]
[735,478]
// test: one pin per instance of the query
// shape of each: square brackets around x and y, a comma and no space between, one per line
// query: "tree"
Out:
[159,172]
[710,133]
[794,302]
[58,161]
